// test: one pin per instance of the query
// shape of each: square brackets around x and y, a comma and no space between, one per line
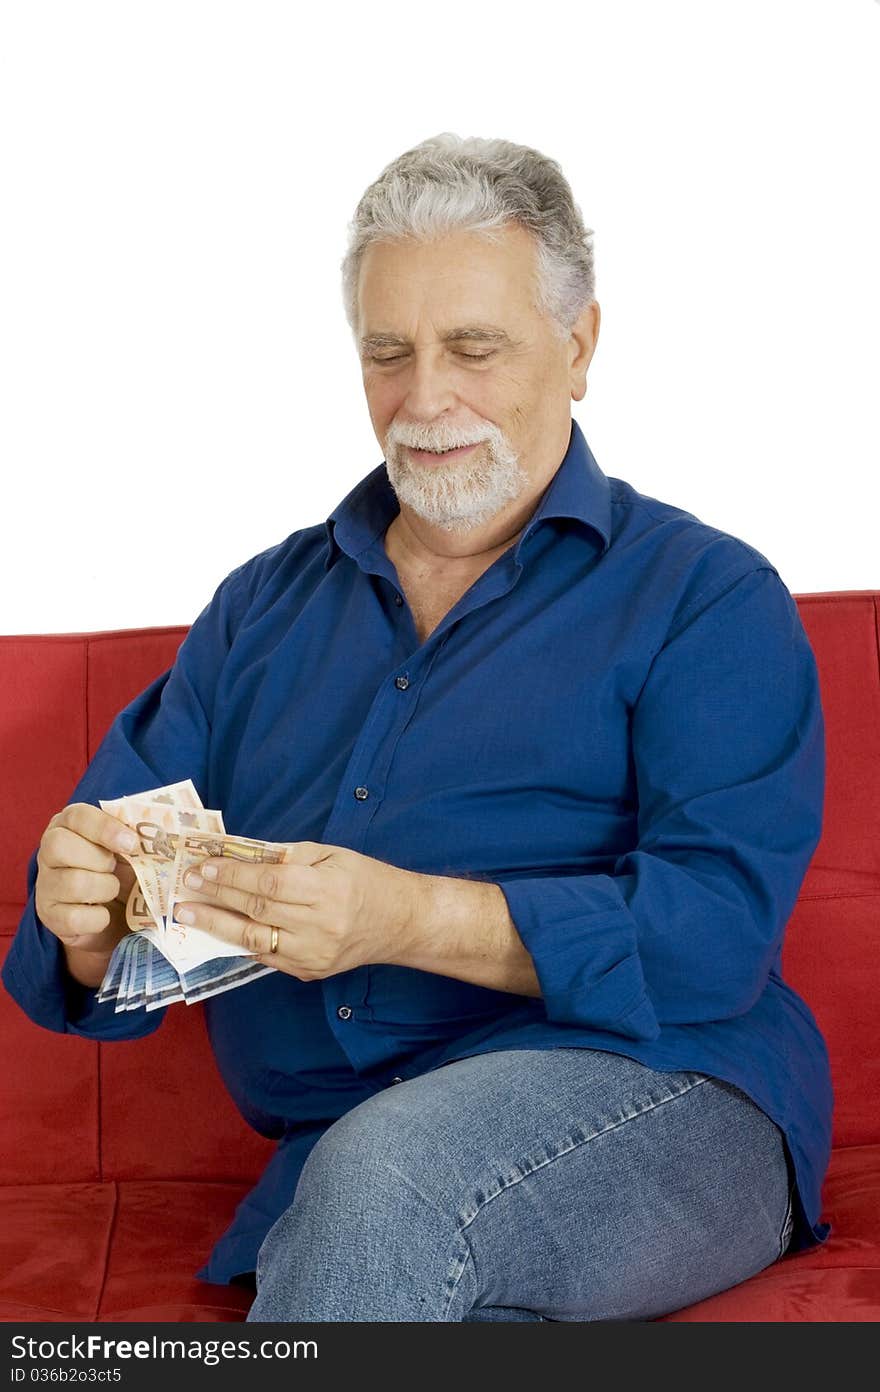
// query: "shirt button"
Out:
[361,793]
[344,1012]
[398,599]
[401,683]
[397,1080]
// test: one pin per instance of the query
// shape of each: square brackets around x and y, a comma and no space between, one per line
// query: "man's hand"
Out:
[334,909]
[83,881]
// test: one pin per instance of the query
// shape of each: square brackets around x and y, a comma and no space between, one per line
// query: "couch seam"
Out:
[839,894]
[99,1079]
[88,743]
[771,1272]
[102,635]
[110,1232]
[834,596]
[52,1309]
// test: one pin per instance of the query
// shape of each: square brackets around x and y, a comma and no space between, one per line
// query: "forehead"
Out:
[457,279]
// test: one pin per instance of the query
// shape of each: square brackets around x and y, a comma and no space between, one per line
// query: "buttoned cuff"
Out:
[581,938]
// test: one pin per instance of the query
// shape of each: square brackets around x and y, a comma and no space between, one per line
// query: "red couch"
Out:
[117,1173]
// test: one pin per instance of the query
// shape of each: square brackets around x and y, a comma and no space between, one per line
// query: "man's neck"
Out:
[405,548]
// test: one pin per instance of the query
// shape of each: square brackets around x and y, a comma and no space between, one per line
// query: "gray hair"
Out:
[451,183]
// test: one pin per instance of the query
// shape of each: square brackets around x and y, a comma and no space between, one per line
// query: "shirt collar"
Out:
[578,489]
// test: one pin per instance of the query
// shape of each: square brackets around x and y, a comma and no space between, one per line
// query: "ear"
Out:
[582,345]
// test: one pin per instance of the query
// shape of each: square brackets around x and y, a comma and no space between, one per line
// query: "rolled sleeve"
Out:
[583,942]
[728,743]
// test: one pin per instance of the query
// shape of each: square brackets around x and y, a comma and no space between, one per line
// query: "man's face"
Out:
[502,384]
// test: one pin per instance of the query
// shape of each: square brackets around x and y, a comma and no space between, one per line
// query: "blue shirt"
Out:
[619,723]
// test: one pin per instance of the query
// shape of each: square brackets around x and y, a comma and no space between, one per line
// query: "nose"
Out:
[430,391]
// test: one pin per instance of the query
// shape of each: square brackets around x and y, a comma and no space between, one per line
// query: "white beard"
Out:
[463,494]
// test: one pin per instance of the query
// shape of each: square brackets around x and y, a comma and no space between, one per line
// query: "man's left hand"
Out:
[334,909]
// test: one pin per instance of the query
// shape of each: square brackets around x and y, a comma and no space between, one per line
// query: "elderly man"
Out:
[548,757]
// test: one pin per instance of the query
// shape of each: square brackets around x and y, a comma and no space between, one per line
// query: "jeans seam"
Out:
[574,1145]
[468,1257]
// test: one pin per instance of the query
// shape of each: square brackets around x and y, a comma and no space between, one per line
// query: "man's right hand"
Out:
[83,883]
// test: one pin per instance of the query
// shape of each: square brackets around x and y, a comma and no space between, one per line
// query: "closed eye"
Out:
[473,357]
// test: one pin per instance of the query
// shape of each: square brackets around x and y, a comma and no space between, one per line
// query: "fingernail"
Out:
[127,841]
[193,879]
[209,872]
[184,915]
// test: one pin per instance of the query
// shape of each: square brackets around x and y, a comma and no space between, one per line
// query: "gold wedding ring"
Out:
[274,946]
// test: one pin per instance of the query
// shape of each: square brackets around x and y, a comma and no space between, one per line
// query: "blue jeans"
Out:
[527,1184]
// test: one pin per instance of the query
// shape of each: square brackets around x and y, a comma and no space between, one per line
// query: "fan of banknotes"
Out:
[161,960]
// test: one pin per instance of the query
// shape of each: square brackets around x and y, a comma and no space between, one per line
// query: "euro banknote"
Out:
[161,960]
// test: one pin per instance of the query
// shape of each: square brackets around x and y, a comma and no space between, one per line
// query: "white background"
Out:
[180,389]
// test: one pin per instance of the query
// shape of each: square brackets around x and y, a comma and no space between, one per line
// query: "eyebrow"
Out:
[477,333]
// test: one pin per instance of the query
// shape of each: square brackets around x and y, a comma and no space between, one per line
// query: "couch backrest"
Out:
[58,694]
[831,954]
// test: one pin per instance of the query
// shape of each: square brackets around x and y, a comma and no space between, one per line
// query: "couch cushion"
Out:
[49,1098]
[166,1112]
[42,742]
[163,1233]
[72,1109]
[54,1240]
[830,958]
[97,1252]
[844,630]
[118,1252]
